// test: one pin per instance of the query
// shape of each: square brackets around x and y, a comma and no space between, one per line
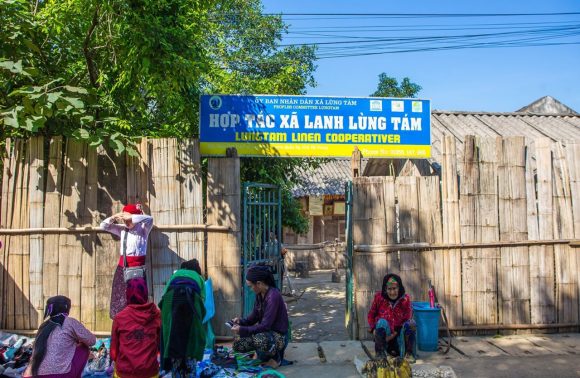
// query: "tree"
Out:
[255,64]
[111,72]
[120,69]
[389,87]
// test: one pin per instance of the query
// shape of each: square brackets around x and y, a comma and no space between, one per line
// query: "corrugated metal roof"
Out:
[328,179]
[558,127]
[547,105]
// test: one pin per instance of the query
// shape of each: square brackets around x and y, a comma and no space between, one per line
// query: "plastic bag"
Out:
[209,302]
[209,336]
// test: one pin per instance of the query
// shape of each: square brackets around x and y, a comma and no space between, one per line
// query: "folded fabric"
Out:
[184,281]
[209,301]
[270,374]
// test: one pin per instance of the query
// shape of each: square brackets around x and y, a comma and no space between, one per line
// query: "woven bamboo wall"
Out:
[60,183]
[508,193]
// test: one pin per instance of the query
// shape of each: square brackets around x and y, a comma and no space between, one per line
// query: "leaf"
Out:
[31,45]
[17,67]
[26,90]
[87,119]
[28,105]
[52,97]
[30,71]
[57,80]
[14,67]
[46,111]
[11,117]
[81,134]
[75,102]
[117,145]
[36,96]
[146,63]
[95,141]
[132,152]
[80,90]
[6,64]
[34,123]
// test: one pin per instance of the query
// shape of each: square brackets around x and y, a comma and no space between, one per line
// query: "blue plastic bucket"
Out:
[427,320]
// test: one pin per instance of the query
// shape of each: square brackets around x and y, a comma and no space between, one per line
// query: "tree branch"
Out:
[91,65]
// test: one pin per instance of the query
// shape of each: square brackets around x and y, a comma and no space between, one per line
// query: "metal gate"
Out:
[261,234]
[350,313]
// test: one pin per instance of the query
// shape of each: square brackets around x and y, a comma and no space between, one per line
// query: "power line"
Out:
[304,35]
[466,36]
[425,26]
[390,47]
[412,28]
[445,48]
[434,45]
[427,15]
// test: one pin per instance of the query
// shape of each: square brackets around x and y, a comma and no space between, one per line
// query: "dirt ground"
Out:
[319,314]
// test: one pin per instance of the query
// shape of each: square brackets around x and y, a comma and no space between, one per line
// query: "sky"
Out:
[473,79]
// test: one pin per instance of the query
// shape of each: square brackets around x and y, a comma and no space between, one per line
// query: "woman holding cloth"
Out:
[265,330]
[133,227]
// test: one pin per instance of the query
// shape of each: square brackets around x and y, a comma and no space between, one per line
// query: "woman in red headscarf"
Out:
[133,227]
[135,336]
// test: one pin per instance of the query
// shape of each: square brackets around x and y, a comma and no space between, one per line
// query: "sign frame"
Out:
[315,126]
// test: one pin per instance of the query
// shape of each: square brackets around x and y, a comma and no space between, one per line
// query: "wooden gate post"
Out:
[224,249]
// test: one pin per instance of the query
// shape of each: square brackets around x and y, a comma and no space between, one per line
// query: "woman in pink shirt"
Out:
[133,227]
[61,344]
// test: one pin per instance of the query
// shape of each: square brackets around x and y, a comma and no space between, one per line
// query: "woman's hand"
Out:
[124,218]
[236,329]
[236,320]
[393,335]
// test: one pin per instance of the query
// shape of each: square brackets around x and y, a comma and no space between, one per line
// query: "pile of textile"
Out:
[15,352]
[99,363]
[221,362]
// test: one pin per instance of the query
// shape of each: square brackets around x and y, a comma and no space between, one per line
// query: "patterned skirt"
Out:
[266,344]
[118,298]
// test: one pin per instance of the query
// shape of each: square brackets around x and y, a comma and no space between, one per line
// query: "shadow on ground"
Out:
[319,314]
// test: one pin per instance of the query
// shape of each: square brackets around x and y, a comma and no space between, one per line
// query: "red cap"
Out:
[133,208]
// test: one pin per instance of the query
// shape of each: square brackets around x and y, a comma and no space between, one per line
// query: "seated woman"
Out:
[182,311]
[61,343]
[391,315]
[135,334]
[265,330]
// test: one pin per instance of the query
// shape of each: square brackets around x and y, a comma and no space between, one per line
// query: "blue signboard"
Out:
[307,126]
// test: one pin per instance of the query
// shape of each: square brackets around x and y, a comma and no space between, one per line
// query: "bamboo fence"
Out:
[54,195]
[224,250]
[499,241]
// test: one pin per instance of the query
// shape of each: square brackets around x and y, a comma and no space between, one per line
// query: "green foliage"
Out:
[246,46]
[389,87]
[284,172]
[136,68]
[110,72]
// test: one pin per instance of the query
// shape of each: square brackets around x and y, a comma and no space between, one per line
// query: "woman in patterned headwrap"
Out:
[265,329]
[61,343]
[133,227]
[391,315]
